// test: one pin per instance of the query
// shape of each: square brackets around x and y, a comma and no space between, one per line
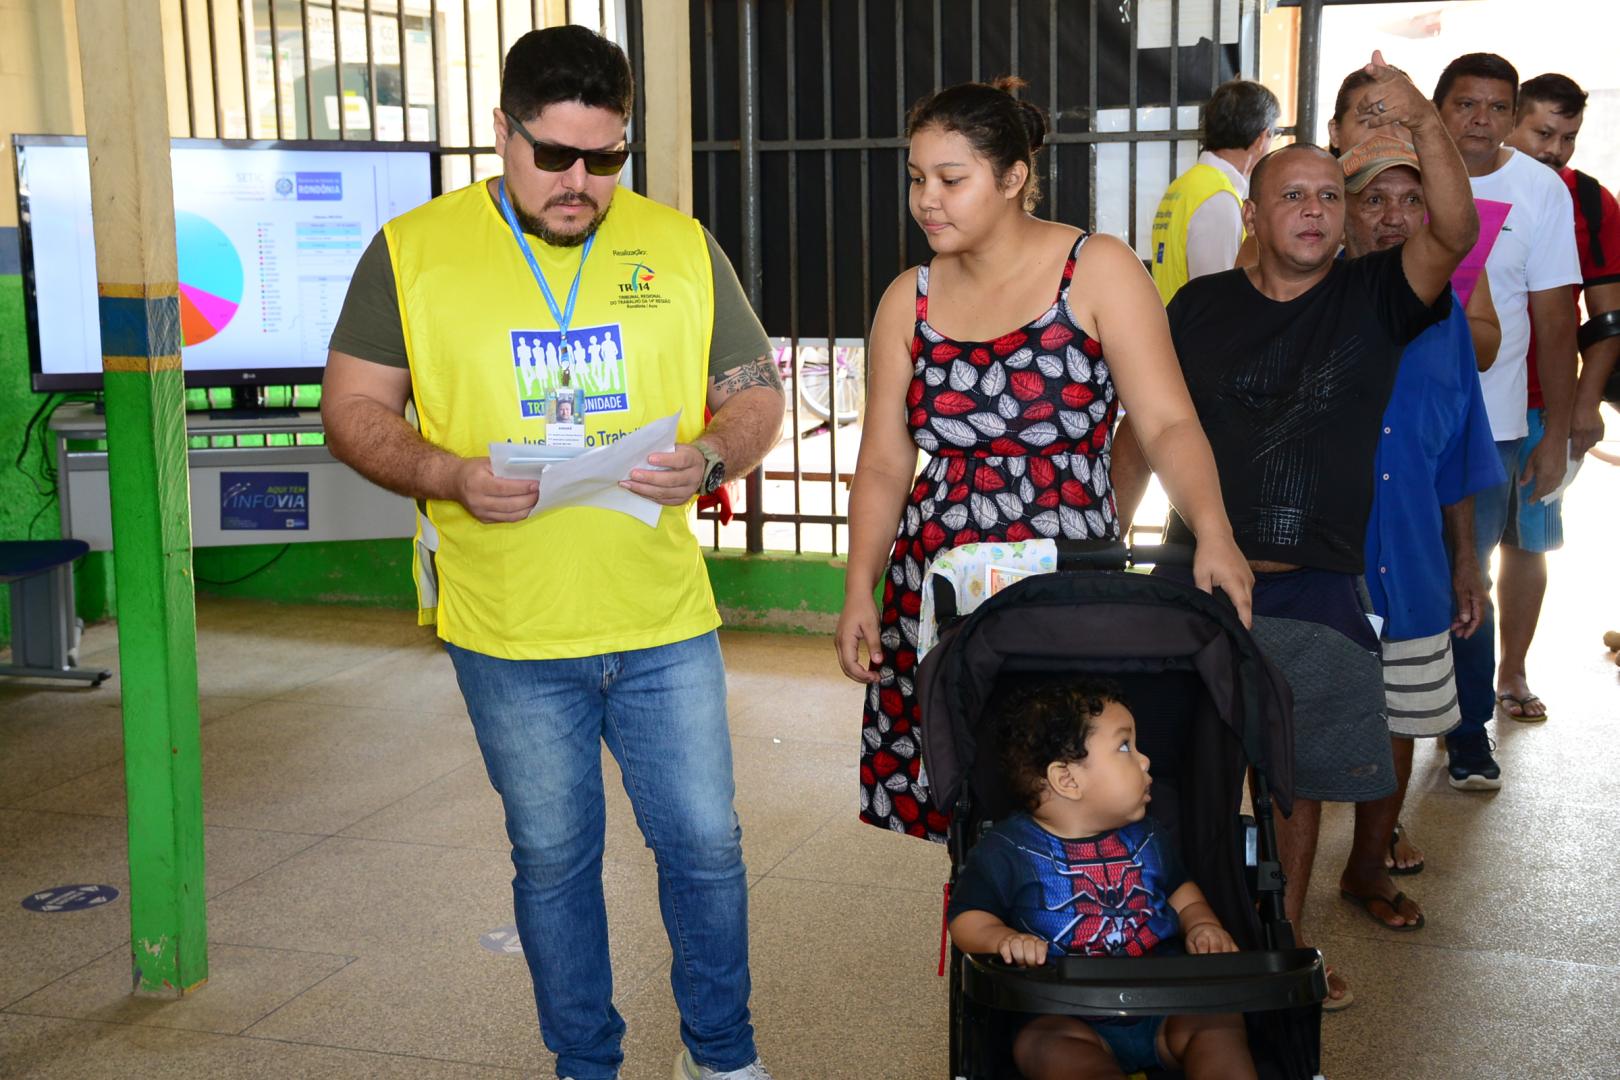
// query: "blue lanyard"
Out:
[564,316]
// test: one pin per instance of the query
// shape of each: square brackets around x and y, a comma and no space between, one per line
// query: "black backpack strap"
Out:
[1589,201]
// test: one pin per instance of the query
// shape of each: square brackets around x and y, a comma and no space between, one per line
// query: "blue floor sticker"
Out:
[70,898]
[504,941]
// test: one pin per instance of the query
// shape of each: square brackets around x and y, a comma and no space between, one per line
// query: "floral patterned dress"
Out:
[1019,432]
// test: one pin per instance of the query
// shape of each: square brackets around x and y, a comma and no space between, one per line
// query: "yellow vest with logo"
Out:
[578,581]
[1187,193]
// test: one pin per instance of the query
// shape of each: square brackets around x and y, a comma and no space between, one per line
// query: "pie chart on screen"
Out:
[210,277]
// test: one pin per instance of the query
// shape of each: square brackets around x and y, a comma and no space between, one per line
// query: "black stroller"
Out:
[1207,705]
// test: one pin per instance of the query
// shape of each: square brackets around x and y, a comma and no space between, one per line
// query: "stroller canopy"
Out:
[1108,621]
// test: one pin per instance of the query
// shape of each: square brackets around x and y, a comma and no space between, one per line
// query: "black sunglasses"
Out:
[549,157]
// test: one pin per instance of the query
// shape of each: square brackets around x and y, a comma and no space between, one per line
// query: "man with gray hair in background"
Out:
[1198,226]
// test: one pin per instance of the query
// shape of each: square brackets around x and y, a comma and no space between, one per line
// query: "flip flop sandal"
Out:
[1332,1004]
[1395,868]
[1503,700]
[1365,903]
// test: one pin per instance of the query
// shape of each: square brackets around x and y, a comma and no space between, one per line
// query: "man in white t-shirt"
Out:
[1531,267]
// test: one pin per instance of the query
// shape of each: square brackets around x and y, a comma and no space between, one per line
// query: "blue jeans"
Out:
[1475,657]
[662,713]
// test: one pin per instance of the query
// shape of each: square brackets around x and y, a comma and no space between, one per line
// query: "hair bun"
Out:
[1034,123]
[1034,119]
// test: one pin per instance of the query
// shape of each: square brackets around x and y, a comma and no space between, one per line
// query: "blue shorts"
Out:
[1533,526]
[1134,1041]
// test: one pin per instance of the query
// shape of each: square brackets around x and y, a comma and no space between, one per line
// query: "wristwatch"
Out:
[714,470]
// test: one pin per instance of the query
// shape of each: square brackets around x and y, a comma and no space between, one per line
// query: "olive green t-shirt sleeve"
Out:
[369,325]
[738,336]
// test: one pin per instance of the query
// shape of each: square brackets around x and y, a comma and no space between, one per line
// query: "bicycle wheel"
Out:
[820,394]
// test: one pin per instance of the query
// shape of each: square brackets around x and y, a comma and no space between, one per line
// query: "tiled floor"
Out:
[355,856]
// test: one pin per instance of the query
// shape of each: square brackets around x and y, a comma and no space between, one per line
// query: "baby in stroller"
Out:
[1084,871]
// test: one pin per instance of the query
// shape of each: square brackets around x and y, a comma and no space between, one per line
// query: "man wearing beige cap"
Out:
[1435,450]
[1290,364]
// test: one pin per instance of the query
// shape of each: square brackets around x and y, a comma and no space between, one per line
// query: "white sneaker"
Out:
[687,1069]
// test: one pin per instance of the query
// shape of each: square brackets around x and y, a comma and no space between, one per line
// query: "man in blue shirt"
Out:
[1435,451]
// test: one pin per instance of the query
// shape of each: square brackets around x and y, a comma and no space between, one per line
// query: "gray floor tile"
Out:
[844,986]
[299,767]
[244,985]
[43,947]
[51,737]
[1456,1013]
[45,1049]
[368,898]
[441,1000]
[847,851]
[416,677]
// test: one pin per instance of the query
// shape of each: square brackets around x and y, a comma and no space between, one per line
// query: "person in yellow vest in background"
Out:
[549,306]
[1198,227]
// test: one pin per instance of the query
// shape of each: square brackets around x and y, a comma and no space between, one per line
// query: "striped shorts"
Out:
[1420,687]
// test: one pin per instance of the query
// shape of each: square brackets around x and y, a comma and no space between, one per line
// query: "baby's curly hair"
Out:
[1047,722]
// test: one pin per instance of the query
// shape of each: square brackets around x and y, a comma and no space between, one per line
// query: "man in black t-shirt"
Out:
[1290,364]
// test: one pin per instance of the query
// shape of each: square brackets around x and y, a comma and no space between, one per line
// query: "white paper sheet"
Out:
[577,476]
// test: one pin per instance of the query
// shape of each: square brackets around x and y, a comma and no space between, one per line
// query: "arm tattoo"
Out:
[760,372]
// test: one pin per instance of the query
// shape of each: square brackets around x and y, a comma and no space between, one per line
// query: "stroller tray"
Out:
[1254,981]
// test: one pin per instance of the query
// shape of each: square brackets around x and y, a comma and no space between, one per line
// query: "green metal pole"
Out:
[126,122]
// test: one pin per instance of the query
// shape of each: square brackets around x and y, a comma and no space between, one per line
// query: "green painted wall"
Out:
[25,514]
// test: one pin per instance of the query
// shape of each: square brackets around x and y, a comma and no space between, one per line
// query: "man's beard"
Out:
[534,226]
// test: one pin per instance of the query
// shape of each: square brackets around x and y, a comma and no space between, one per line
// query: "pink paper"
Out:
[1492,216]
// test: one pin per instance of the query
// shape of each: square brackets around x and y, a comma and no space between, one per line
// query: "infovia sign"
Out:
[264,501]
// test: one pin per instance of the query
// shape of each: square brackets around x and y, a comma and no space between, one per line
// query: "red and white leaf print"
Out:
[954,518]
[914,575]
[994,381]
[984,511]
[1079,366]
[1010,505]
[1026,385]
[930,333]
[1039,434]
[933,376]
[898,782]
[954,431]
[1046,318]
[1042,471]
[1075,425]
[1038,410]
[925,440]
[1092,346]
[989,424]
[932,536]
[1007,406]
[1055,336]
[945,350]
[987,479]
[1017,466]
[1075,493]
[905,747]
[1074,525]
[1076,395]
[914,393]
[1026,490]
[913,520]
[880,802]
[1095,520]
[1049,365]
[1081,465]
[951,403]
[1020,359]
[964,376]
[980,357]
[1046,523]
[1006,343]
[1007,447]
[1098,410]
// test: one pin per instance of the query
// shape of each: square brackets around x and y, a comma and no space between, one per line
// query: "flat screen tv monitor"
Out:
[268,234]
